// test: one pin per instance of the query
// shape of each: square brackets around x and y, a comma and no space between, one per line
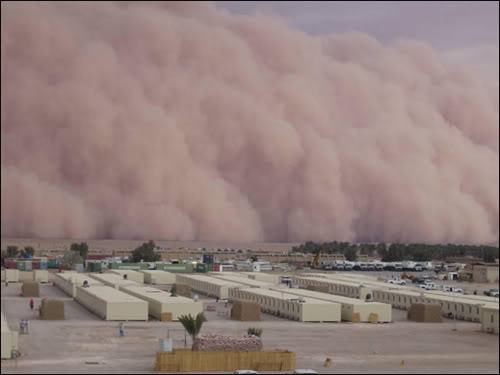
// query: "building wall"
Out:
[485,274]
[12,276]
[489,320]
[41,276]
[159,277]
[127,311]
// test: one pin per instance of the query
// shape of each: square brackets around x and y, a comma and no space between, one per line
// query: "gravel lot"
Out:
[66,346]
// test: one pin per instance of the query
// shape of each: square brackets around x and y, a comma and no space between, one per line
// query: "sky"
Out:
[250,122]
[464,31]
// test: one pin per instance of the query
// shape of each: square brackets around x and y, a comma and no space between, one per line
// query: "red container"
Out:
[11,264]
[216,267]
[35,265]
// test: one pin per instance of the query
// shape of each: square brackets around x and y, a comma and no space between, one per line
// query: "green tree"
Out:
[145,253]
[489,256]
[255,332]
[351,253]
[12,251]
[193,325]
[70,258]
[81,248]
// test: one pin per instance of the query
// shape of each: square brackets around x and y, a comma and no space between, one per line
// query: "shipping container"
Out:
[96,257]
[95,267]
[28,265]
[208,259]
[20,266]
[216,267]
[36,265]
[52,263]
[11,264]
[175,268]
[157,277]
[44,265]
[202,268]
[128,266]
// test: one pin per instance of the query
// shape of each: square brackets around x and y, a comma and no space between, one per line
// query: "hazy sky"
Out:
[465,31]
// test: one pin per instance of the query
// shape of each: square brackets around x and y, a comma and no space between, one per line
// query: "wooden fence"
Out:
[189,361]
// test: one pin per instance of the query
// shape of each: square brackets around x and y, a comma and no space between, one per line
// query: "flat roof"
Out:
[331,281]
[109,294]
[245,281]
[123,272]
[212,280]
[114,279]
[78,278]
[285,296]
[330,297]
[156,294]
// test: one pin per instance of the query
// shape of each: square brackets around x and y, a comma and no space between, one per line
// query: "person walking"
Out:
[32,304]
[21,327]
[122,333]
[26,326]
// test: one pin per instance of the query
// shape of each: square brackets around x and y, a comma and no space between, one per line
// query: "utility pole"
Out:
[454,315]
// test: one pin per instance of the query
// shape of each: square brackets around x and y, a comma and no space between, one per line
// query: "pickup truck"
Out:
[491,293]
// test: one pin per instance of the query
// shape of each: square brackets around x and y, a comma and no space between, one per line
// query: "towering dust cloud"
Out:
[183,121]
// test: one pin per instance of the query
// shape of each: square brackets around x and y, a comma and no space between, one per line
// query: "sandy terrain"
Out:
[66,346]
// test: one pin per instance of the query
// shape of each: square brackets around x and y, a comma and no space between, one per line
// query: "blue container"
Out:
[44,265]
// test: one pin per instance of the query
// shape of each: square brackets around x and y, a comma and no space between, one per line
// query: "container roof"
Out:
[152,272]
[78,278]
[113,279]
[243,280]
[330,297]
[109,294]
[285,296]
[156,294]
[212,280]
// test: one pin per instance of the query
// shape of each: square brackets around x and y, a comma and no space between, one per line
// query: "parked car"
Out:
[245,372]
[457,290]
[397,282]
[305,372]
[491,293]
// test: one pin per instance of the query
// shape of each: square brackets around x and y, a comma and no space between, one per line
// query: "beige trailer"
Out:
[209,286]
[68,282]
[351,306]
[162,302]
[111,304]
[289,306]
[3,275]
[12,276]
[337,287]
[489,318]
[451,306]
[113,280]
[157,277]
[136,276]
[41,276]
[9,339]
[246,281]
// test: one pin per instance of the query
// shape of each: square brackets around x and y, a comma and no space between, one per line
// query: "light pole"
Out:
[454,315]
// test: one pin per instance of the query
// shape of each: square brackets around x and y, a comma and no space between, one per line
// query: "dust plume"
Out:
[182,121]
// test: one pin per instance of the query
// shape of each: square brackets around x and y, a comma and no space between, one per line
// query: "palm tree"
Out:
[254,332]
[193,325]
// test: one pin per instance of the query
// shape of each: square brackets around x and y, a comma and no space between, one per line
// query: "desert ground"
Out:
[83,343]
